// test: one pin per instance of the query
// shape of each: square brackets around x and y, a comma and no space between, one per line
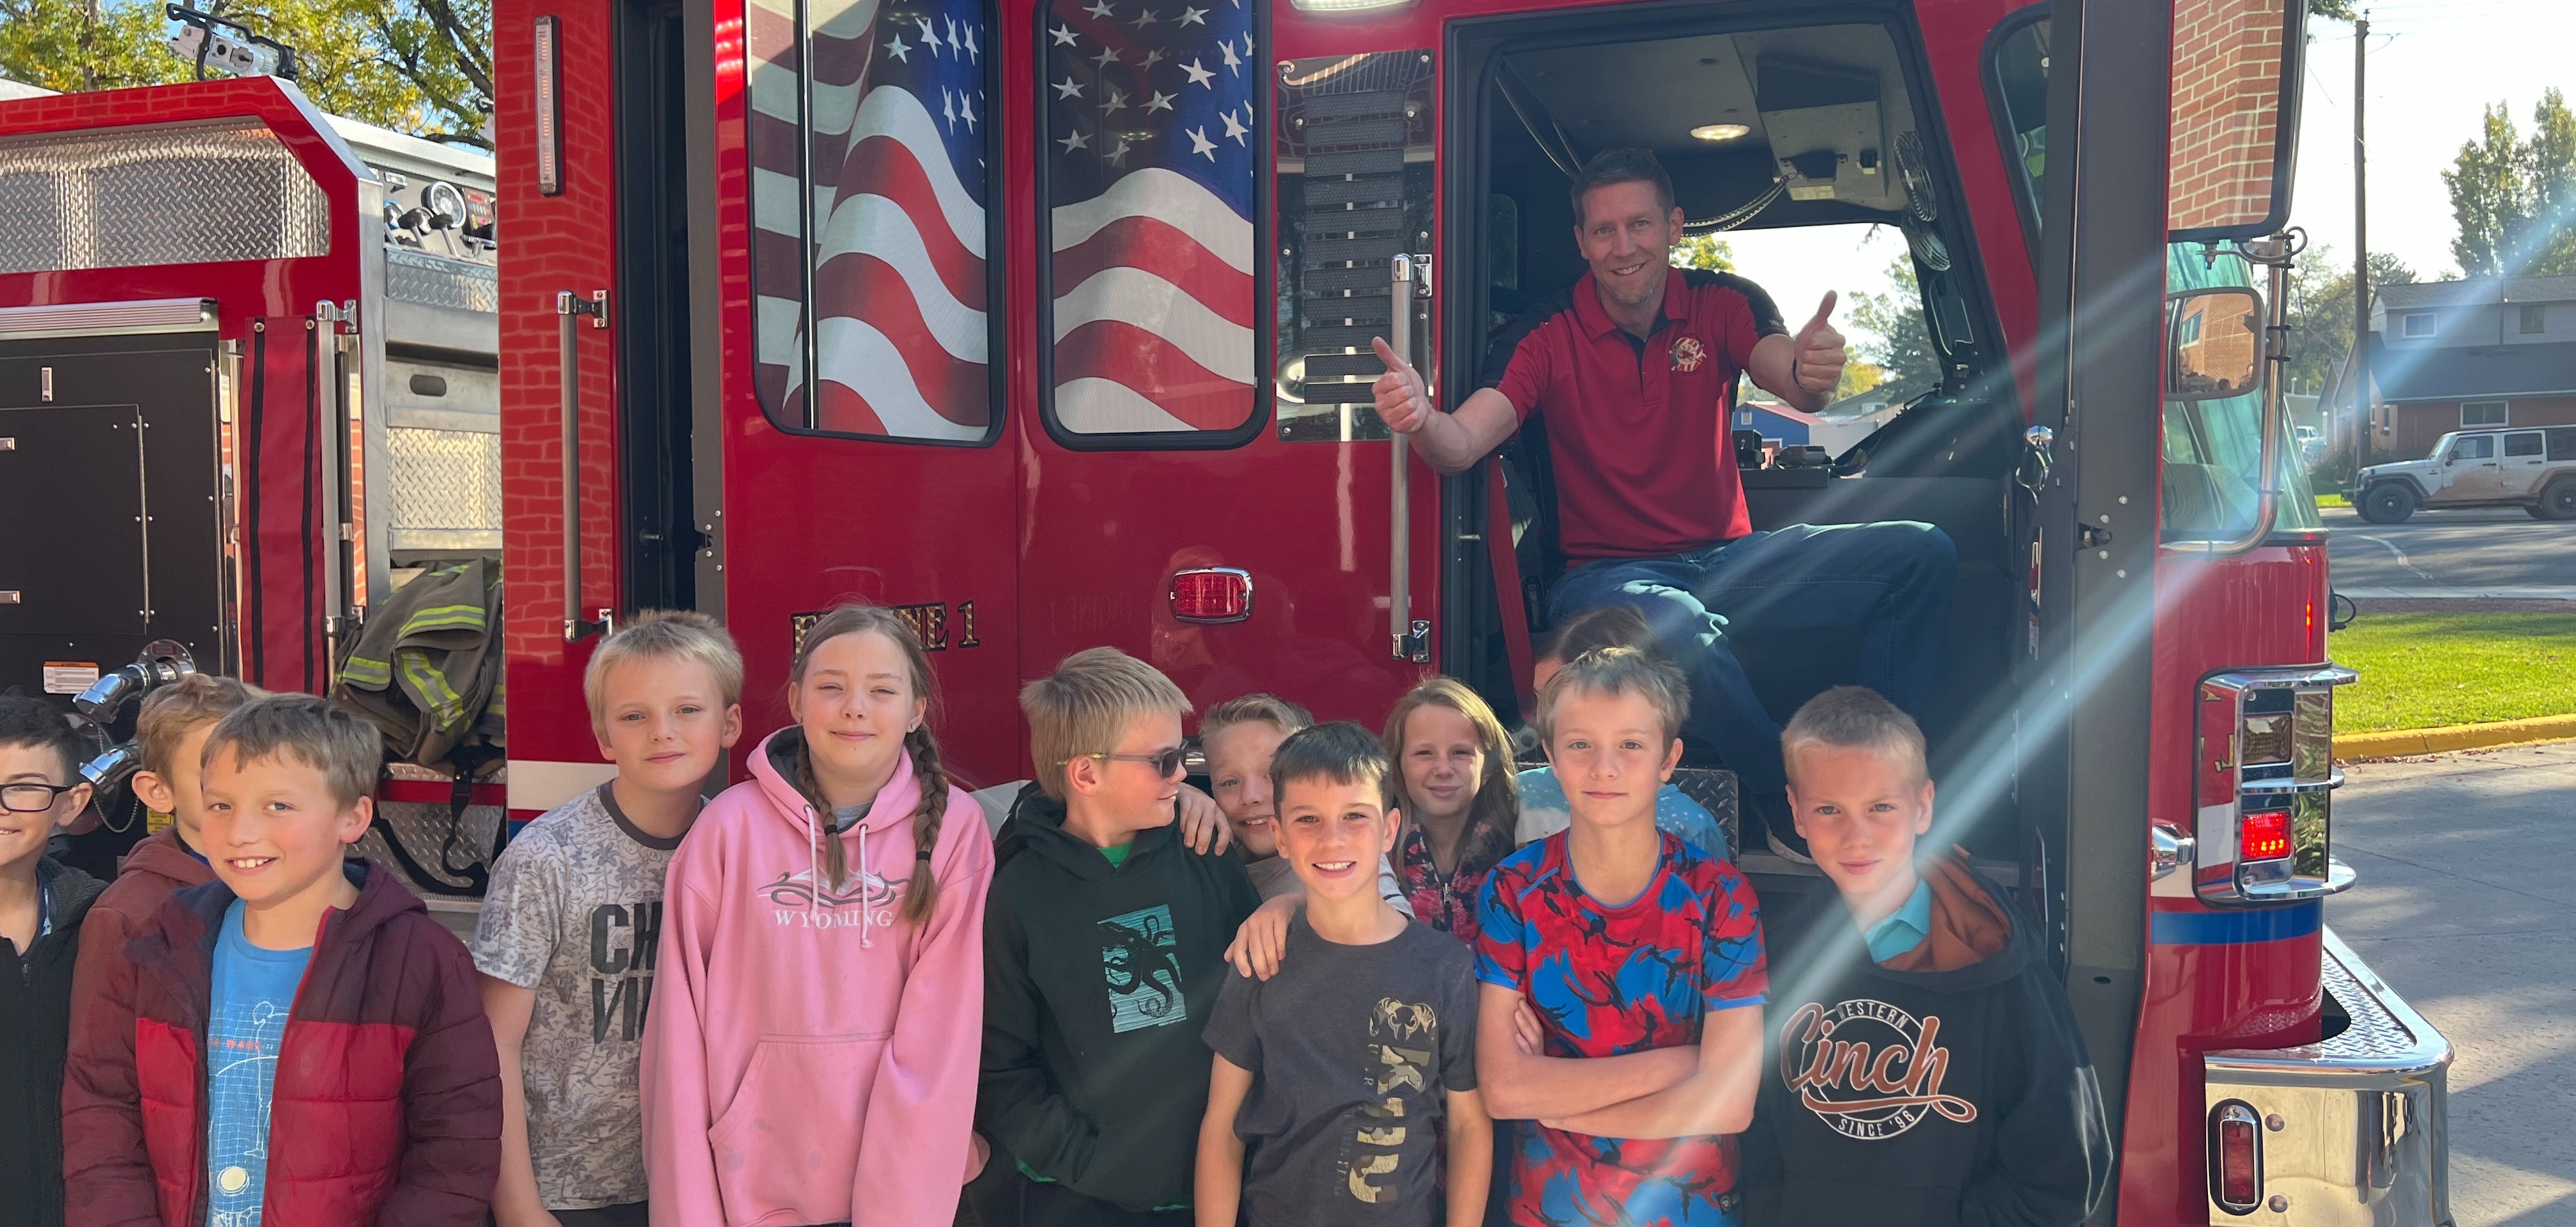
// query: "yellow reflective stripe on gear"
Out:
[372,674]
[445,704]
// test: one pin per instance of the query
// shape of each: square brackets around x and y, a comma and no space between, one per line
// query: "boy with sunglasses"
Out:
[1104,936]
[42,902]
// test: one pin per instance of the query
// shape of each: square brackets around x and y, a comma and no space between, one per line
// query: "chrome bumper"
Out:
[2353,1127]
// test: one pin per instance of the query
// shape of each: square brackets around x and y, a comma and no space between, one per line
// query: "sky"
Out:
[2434,64]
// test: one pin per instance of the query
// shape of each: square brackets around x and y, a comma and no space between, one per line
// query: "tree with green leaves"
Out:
[1900,341]
[2515,199]
[1705,252]
[421,66]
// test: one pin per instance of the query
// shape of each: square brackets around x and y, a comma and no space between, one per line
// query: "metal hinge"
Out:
[596,306]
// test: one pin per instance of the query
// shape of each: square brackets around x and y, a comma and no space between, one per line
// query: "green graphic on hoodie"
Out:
[1140,957]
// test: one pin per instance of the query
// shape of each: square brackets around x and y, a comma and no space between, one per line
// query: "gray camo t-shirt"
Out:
[574,912]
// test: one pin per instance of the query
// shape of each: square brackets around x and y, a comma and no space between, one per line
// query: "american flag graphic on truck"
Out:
[1150,140]
[888,135]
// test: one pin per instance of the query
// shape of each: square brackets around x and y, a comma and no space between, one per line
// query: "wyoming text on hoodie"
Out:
[807,1051]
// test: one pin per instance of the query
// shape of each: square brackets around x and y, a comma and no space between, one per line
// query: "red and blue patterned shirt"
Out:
[1606,981]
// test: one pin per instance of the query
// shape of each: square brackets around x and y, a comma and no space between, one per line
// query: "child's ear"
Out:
[1672,758]
[155,792]
[732,726]
[355,820]
[1394,827]
[1081,775]
[79,797]
[1923,821]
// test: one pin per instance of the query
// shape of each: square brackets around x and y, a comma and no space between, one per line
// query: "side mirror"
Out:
[2236,72]
[2213,343]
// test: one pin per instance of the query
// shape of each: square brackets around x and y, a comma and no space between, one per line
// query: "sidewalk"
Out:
[2467,906]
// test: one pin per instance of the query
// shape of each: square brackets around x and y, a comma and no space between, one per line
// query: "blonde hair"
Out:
[932,812]
[1493,820]
[663,634]
[1855,718]
[307,729]
[1084,706]
[1267,709]
[1613,671]
[174,711]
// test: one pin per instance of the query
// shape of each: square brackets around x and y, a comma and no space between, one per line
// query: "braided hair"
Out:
[932,812]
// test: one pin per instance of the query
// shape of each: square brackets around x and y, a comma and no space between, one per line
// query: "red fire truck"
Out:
[1048,323]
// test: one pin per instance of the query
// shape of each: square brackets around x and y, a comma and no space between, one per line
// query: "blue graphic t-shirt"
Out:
[253,991]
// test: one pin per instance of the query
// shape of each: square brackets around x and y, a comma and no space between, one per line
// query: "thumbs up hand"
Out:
[1819,350]
[1402,402]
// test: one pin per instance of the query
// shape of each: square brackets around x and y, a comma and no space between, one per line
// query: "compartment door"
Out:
[1222,195]
[862,418]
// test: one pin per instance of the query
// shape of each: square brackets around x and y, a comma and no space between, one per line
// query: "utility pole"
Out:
[2360,373]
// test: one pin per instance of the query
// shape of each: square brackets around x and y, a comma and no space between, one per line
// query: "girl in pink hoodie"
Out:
[810,1054]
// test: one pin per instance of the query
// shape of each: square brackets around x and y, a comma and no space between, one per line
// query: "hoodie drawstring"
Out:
[867,903]
[813,870]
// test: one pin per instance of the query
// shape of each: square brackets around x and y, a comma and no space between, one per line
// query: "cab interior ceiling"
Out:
[1802,93]
[1825,106]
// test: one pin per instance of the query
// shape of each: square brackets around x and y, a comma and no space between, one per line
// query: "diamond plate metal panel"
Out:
[185,194]
[444,483]
[437,281]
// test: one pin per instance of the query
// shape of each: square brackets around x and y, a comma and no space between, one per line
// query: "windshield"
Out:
[2213,448]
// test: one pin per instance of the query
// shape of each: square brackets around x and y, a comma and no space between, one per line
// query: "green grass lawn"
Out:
[2419,670]
[2333,500]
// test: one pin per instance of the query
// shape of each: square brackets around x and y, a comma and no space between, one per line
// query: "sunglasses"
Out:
[1166,763]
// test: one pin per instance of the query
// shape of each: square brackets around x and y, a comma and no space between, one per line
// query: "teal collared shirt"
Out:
[1903,929]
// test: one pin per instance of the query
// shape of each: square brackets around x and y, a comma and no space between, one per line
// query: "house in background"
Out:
[2453,355]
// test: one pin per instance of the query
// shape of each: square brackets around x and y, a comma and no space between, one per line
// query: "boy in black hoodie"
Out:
[1104,945]
[42,903]
[1925,1069]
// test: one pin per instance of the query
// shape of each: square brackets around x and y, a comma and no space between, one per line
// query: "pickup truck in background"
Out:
[2534,469]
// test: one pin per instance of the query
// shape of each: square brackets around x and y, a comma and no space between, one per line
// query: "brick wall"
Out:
[2226,111]
[2416,427]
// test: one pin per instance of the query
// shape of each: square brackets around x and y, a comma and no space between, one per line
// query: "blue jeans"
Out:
[1889,583]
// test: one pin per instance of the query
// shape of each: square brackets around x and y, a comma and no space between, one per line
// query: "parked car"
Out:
[2312,443]
[2531,469]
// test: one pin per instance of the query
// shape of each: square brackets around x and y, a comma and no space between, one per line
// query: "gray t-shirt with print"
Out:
[574,912]
[1352,1050]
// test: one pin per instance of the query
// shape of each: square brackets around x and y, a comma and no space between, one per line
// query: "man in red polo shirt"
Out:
[1635,368]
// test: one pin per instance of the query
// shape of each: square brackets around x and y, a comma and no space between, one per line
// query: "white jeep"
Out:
[2534,469]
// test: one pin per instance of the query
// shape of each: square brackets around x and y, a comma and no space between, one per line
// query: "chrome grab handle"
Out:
[1399,592]
[567,308]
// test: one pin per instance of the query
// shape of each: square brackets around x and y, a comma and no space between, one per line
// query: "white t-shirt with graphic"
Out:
[574,912]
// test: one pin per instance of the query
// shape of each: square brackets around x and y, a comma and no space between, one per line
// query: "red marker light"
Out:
[2263,835]
[2236,1165]
[1212,594]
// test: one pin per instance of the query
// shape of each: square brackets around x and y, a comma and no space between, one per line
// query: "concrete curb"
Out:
[2397,743]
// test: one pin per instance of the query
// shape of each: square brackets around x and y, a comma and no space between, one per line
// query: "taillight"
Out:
[2235,1158]
[2263,835]
[1212,594]
[2262,779]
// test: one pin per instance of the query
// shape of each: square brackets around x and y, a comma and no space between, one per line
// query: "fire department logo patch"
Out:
[1688,353]
[1869,1070]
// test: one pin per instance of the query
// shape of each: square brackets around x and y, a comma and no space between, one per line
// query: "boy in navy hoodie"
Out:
[42,906]
[1104,943]
[1979,1106]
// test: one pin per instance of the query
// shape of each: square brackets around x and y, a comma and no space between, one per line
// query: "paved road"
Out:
[2467,907]
[2450,549]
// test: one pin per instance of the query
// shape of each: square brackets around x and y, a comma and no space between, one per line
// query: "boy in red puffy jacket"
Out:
[295,1044]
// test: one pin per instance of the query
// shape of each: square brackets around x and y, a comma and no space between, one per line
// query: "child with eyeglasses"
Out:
[1104,941]
[42,902]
